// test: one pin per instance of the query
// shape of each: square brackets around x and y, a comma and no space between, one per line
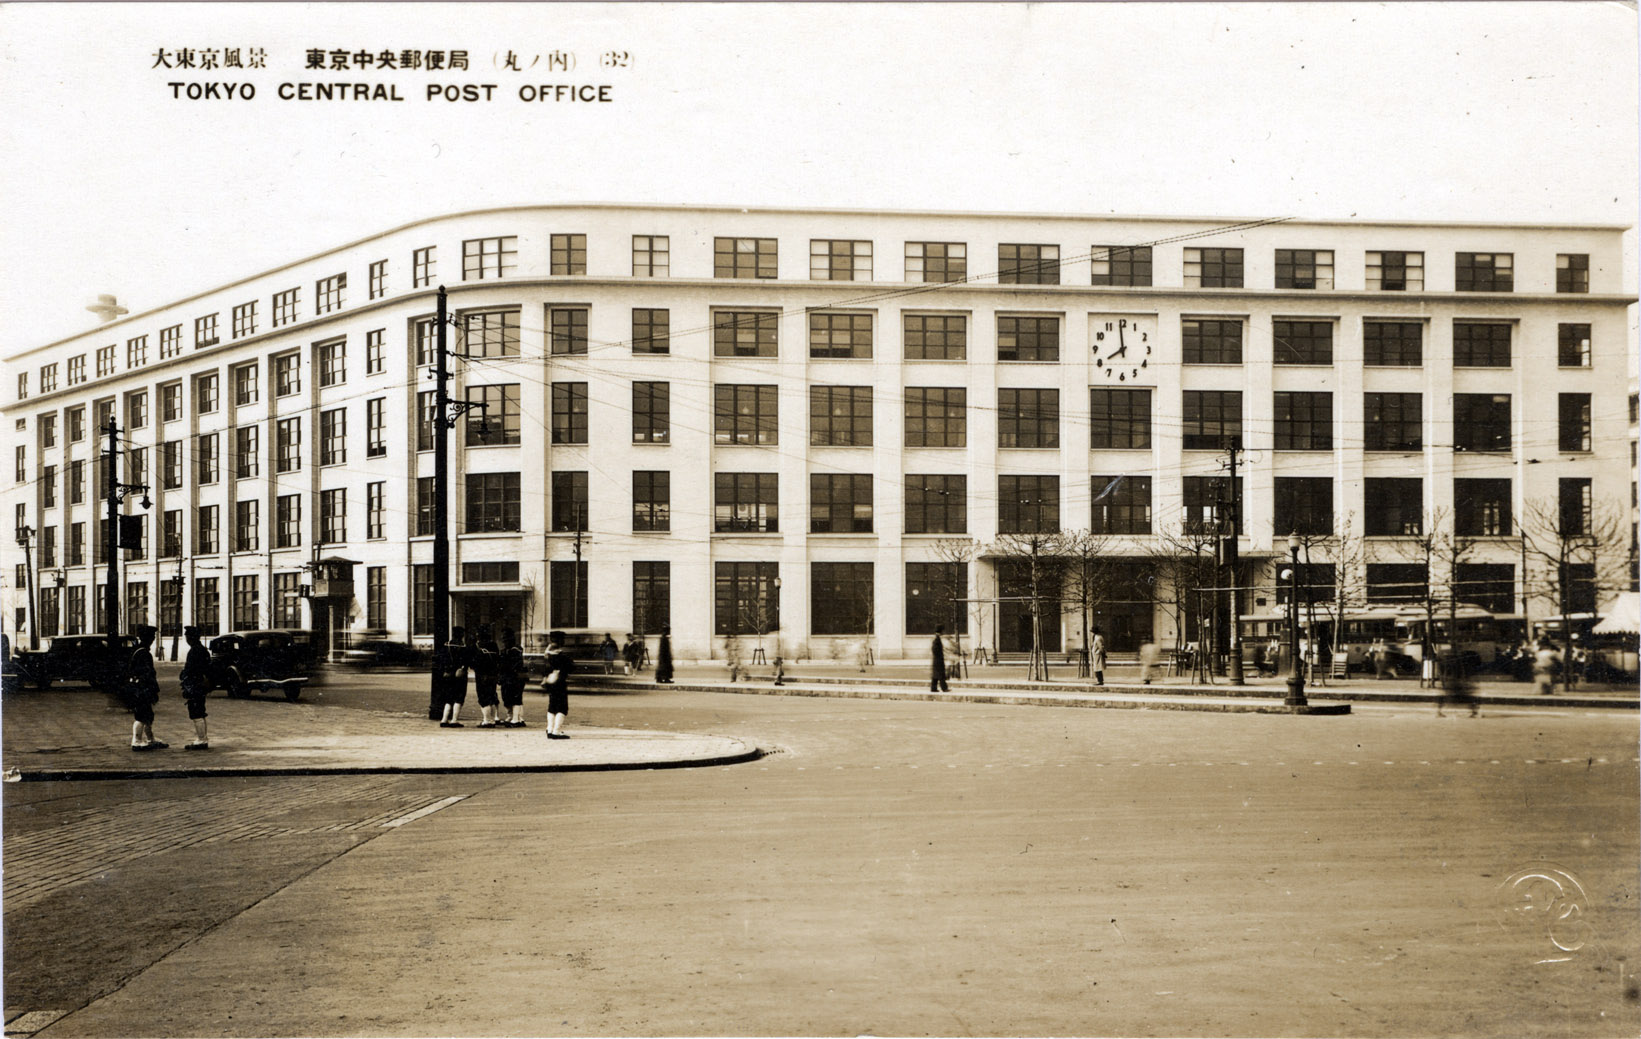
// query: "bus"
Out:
[1485,639]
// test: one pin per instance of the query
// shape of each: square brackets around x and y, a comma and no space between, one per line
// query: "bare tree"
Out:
[1575,552]
[1345,551]
[1090,568]
[954,598]
[1442,550]
[1039,557]
[1183,558]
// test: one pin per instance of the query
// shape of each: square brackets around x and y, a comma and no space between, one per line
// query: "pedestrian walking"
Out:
[1545,665]
[557,687]
[486,667]
[457,662]
[937,661]
[1148,661]
[607,651]
[1457,689]
[732,656]
[196,682]
[141,691]
[663,659]
[1096,656]
[632,653]
[511,676]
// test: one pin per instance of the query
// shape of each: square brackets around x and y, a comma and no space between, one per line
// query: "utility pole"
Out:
[111,542]
[25,538]
[1233,445]
[441,505]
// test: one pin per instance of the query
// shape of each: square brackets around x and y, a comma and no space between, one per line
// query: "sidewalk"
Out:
[75,733]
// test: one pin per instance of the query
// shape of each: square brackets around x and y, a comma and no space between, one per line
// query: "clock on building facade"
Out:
[1122,344]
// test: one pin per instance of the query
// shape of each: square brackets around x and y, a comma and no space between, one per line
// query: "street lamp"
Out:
[1296,680]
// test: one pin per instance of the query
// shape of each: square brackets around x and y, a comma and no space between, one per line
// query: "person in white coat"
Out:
[1096,657]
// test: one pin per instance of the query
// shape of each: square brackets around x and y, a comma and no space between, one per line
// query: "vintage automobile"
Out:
[74,658]
[373,651]
[272,660]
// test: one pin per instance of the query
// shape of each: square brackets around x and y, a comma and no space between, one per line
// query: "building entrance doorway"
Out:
[499,610]
[1014,611]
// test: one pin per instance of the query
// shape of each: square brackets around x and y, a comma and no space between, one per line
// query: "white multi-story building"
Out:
[818,422]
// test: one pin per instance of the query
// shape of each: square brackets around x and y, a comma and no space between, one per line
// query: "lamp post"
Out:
[1296,680]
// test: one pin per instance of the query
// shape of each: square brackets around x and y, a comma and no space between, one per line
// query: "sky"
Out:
[1401,111]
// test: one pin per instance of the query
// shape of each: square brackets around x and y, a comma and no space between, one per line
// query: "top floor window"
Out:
[1028,264]
[330,293]
[424,264]
[205,331]
[1572,272]
[136,352]
[1484,272]
[245,320]
[378,279]
[1304,268]
[651,256]
[284,307]
[840,260]
[48,377]
[939,263]
[569,254]
[1213,268]
[22,385]
[170,341]
[743,258]
[1120,265]
[489,257]
[1395,271]
[105,361]
[76,370]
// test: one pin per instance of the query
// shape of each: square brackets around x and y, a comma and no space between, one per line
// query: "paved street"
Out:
[888,867]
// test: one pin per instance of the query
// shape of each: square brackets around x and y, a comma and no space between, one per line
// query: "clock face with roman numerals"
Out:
[1122,345]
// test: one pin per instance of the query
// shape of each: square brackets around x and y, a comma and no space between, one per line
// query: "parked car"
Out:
[382,653]
[272,659]
[75,658]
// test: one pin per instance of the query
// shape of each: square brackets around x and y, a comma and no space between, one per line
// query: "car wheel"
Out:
[293,693]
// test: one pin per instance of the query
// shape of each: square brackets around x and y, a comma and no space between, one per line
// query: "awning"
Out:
[1621,617]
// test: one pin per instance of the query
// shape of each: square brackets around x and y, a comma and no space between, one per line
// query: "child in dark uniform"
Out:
[196,682]
[557,687]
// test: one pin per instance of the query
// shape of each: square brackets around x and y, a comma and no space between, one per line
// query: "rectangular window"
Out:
[1028,418]
[136,461]
[1576,506]
[48,378]
[170,341]
[651,595]
[1398,344]
[1304,505]
[48,429]
[247,526]
[171,534]
[76,370]
[743,258]
[1574,425]
[333,516]
[1128,265]
[1491,586]
[1028,264]
[569,254]
[205,332]
[840,335]
[1122,504]
[1206,499]
[1393,421]
[245,384]
[1395,271]
[424,506]
[50,608]
[421,599]
[105,361]
[651,500]
[1481,422]
[936,416]
[1316,585]
[1304,268]
[567,601]
[1483,272]
[491,572]
[376,595]
[1481,344]
[48,554]
[746,503]
[376,511]
[651,330]
[287,600]
[375,351]
[495,418]
[333,362]
[425,331]
[1481,508]
[136,603]
[1304,421]
[940,263]
[245,320]
[569,329]
[495,333]
[492,502]
[1212,417]
[247,460]
[935,337]
[745,334]
[1119,419]
[1028,504]
[171,402]
[840,416]
[1028,338]
[288,521]
[284,307]
[207,607]
[840,260]
[378,289]
[1210,341]
[492,257]
[840,598]
[651,256]
[424,420]
[171,464]
[287,370]
[288,445]
[840,503]
[1213,268]
[208,530]
[333,436]
[569,492]
[937,503]
[1572,272]
[76,609]
[76,424]
[424,266]
[569,413]
[934,598]
[48,487]
[744,414]
[747,598]
[1573,345]
[651,412]
[1397,582]
[376,427]
[22,385]
[207,460]
[136,410]
[1303,342]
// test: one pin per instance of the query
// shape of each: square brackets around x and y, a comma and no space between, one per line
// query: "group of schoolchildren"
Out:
[499,677]
[139,687]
